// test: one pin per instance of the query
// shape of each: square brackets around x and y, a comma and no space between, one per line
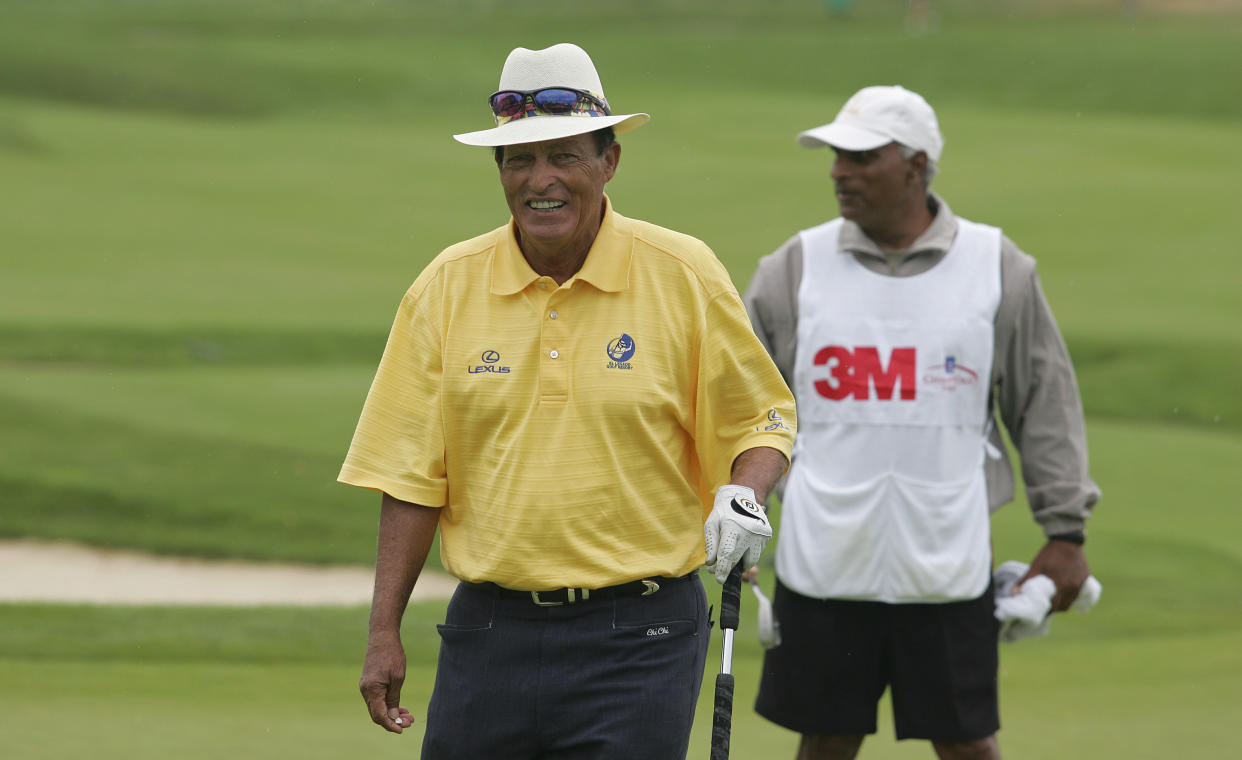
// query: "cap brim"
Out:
[844,136]
[538,128]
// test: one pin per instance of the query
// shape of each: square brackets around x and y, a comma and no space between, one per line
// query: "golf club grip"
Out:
[731,599]
[722,718]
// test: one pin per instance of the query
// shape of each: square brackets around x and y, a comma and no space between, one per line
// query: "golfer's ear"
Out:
[612,158]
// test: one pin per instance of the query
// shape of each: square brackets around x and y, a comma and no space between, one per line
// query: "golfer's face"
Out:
[872,184]
[555,190]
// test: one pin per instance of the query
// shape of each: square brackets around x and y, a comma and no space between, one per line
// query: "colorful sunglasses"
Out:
[553,101]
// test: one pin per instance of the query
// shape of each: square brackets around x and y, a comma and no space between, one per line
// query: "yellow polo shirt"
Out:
[573,434]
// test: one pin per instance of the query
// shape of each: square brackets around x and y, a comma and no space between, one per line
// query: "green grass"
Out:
[211,209]
[1158,665]
[153,682]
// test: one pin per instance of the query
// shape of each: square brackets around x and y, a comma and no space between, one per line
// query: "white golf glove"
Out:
[736,530]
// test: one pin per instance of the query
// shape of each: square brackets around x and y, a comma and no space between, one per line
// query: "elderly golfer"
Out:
[577,401]
[902,329]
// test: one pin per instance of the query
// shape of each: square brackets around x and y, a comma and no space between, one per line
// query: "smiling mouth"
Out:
[545,205]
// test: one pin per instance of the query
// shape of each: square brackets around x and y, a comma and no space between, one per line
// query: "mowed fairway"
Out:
[209,211]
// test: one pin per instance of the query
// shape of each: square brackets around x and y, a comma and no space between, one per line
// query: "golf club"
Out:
[722,717]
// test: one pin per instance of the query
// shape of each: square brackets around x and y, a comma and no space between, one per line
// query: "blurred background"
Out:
[209,211]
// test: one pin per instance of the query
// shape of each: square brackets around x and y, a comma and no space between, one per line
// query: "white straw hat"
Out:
[877,116]
[564,65]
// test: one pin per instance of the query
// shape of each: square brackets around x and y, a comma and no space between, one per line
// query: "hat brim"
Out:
[539,128]
[843,136]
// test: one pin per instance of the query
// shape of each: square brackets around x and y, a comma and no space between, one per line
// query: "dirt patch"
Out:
[36,571]
[1174,6]
[1134,7]
[1184,6]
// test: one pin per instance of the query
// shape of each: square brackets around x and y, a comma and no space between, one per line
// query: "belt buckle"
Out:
[534,597]
[571,597]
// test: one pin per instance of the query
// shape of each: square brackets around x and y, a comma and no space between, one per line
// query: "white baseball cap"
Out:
[877,116]
[561,66]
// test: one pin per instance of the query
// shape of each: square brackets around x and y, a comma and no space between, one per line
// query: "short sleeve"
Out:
[743,402]
[398,446]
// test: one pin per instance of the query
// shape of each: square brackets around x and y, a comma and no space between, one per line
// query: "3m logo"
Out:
[852,373]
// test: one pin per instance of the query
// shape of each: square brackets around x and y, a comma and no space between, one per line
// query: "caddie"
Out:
[576,400]
[904,331]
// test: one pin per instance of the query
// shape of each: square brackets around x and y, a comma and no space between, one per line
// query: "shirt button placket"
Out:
[554,379]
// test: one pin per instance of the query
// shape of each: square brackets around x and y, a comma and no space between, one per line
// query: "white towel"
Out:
[769,627]
[1026,613]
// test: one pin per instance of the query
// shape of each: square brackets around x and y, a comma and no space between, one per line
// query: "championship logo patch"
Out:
[950,375]
[620,351]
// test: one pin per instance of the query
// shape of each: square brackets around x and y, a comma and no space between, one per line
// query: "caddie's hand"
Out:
[383,673]
[735,531]
[1066,564]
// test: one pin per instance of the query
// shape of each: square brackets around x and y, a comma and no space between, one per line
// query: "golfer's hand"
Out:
[1066,565]
[736,530]
[383,673]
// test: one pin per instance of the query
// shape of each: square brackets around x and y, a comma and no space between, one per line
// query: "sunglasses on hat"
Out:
[553,101]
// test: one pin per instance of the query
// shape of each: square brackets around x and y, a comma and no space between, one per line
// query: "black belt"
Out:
[559,596]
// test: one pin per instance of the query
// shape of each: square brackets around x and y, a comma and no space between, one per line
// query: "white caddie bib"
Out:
[886,498]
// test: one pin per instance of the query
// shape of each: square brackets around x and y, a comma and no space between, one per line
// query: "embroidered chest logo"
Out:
[950,375]
[491,363]
[620,351]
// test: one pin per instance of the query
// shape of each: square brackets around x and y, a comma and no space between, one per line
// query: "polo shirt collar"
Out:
[607,265]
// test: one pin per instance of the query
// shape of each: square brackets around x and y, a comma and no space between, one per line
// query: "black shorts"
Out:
[836,658]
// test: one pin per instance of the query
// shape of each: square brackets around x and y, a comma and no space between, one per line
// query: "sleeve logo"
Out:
[774,422]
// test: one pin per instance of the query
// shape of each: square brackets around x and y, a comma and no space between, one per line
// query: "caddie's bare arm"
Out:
[1041,407]
[759,469]
[405,534]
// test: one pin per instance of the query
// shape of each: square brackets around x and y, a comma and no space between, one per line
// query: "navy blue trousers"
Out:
[603,679]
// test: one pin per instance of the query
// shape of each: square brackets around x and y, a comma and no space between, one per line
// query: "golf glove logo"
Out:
[736,530]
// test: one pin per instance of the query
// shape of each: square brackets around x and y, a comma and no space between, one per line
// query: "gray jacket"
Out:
[1033,385]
